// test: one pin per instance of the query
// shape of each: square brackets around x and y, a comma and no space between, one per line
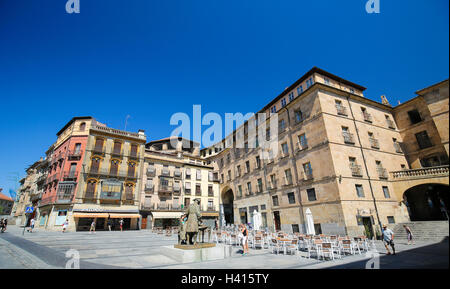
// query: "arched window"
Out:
[82,126]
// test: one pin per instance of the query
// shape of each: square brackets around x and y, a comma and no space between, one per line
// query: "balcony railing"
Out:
[367,116]
[421,173]
[341,110]
[374,143]
[382,173]
[167,207]
[356,170]
[70,176]
[177,174]
[308,175]
[151,171]
[75,154]
[117,174]
[114,196]
[165,172]
[64,198]
[149,188]
[390,123]
[165,189]
[348,137]
[398,148]
[118,132]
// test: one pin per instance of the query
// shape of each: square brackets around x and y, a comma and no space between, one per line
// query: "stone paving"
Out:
[142,249]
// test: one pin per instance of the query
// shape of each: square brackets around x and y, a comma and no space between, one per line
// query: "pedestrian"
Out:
[1,225]
[409,235]
[109,224]
[92,226]
[121,224]
[31,226]
[65,225]
[244,232]
[388,239]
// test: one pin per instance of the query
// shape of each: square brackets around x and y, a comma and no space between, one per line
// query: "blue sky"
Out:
[150,59]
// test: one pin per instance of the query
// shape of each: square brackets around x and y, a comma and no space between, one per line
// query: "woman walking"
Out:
[409,235]
[92,227]
[244,232]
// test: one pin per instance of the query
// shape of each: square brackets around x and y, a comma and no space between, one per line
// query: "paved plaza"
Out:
[144,249]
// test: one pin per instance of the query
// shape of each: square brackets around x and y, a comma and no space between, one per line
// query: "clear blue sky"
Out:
[150,59]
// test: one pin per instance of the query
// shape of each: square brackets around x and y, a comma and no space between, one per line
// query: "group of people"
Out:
[109,224]
[3,224]
[388,238]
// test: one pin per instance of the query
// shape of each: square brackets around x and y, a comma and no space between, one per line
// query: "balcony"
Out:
[64,198]
[356,170]
[341,110]
[165,172]
[374,143]
[390,123]
[308,175]
[70,176]
[439,171]
[348,138]
[111,173]
[151,171]
[302,146]
[398,148]
[149,188]
[118,132]
[75,155]
[198,193]
[165,189]
[167,207]
[117,153]
[177,174]
[382,173]
[110,196]
[367,117]
[98,151]
[213,179]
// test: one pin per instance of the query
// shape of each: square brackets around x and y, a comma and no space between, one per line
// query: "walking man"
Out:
[109,224]
[31,226]
[65,225]
[388,239]
[409,235]
[92,227]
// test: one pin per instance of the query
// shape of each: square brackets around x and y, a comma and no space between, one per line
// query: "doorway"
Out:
[276,216]
[368,228]
[228,212]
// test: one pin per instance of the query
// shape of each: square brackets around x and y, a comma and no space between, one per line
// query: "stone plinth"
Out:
[197,253]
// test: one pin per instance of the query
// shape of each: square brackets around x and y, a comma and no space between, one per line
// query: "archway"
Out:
[427,202]
[227,201]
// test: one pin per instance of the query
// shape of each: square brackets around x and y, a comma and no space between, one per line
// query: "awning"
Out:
[125,216]
[90,215]
[210,214]
[167,215]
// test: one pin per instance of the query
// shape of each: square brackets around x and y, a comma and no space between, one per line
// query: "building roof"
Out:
[167,139]
[4,197]
[431,87]
[71,121]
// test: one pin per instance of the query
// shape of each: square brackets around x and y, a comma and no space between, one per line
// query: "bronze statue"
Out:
[192,223]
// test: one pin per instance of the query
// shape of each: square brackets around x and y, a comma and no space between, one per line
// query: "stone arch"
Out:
[427,201]
[227,197]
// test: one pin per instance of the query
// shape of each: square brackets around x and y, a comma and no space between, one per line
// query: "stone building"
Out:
[174,175]
[90,172]
[336,149]
[6,204]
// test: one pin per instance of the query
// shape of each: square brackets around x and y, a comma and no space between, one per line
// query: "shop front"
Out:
[83,220]
[166,219]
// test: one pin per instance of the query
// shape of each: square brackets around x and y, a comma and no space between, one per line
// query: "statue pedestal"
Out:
[199,253]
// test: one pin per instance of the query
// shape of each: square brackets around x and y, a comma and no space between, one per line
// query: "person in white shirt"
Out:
[388,239]
[65,225]
[31,226]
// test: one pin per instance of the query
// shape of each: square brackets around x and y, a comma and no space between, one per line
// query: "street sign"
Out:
[29,210]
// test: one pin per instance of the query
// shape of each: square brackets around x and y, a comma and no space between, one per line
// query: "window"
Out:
[291,96]
[386,192]
[423,140]
[300,90]
[210,190]
[249,188]
[188,173]
[282,125]
[247,166]
[258,162]
[414,116]
[263,207]
[283,102]
[326,81]
[77,149]
[117,147]
[199,175]
[273,109]
[298,116]
[307,170]
[187,188]
[238,171]
[285,149]
[114,167]
[275,201]
[198,190]
[82,126]
[352,90]
[311,194]
[295,228]
[240,190]
[246,147]
[303,142]
[291,198]
[229,175]
[309,82]
[260,186]
[98,145]
[133,151]
[391,220]
[288,176]
[359,191]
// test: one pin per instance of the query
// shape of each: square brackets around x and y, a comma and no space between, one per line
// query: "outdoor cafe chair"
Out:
[258,240]
[314,247]
[276,246]
[292,246]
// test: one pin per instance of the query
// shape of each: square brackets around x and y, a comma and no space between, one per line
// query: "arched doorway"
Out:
[227,201]
[427,202]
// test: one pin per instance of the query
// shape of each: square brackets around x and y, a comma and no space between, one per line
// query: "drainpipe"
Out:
[365,164]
